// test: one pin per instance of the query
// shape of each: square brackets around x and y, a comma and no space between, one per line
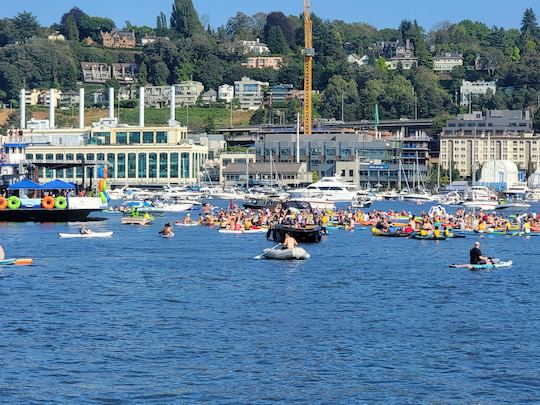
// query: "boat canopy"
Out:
[57,185]
[25,185]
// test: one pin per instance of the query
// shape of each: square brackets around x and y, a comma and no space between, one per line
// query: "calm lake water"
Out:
[141,319]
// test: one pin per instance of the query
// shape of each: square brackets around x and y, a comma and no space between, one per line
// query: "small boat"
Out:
[296,253]
[16,262]
[308,234]
[136,221]
[482,266]
[86,235]
[513,208]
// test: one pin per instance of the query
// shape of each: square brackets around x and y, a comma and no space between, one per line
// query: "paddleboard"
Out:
[233,232]
[482,266]
[16,262]
[188,224]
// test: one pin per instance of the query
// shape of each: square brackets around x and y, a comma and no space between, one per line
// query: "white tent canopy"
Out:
[534,180]
[500,173]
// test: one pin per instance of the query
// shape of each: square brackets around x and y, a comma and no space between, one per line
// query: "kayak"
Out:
[297,253]
[394,234]
[16,262]
[428,237]
[234,232]
[86,235]
[482,266]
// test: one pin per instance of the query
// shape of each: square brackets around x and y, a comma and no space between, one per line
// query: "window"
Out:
[59,172]
[148,137]
[80,157]
[142,165]
[121,165]
[121,138]
[134,137]
[184,165]
[152,165]
[132,165]
[173,169]
[69,172]
[112,169]
[163,165]
[102,138]
[161,137]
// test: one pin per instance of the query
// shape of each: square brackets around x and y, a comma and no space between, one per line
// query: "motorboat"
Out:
[331,188]
[317,202]
[227,194]
[391,195]
[363,200]
[419,196]
[481,197]
[513,208]
[451,198]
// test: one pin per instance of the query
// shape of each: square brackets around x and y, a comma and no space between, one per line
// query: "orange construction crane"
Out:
[309,52]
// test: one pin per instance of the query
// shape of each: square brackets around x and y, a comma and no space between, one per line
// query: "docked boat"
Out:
[480,197]
[28,201]
[420,196]
[330,188]
[316,202]
[262,203]
[513,208]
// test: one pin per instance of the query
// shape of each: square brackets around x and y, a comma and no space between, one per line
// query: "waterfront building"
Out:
[253,47]
[478,88]
[226,93]
[32,97]
[70,97]
[471,140]
[278,174]
[188,92]
[263,62]
[249,93]
[157,96]
[227,158]
[118,39]
[280,93]
[137,155]
[446,62]
[328,154]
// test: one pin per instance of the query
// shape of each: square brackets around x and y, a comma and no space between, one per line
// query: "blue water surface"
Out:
[142,319]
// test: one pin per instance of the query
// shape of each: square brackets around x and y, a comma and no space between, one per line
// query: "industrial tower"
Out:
[309,52]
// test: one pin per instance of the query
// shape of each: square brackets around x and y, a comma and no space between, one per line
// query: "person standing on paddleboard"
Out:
[476,255]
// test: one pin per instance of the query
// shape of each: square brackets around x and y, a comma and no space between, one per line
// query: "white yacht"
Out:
[420,196]
[330,188]
[482,198]
[317,202]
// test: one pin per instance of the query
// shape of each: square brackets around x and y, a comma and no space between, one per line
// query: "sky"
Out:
[380,13]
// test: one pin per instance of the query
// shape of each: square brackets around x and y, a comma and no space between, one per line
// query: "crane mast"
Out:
[309,52]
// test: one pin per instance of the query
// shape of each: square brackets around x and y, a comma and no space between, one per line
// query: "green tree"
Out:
[27,26]
[184,19]
[92,26]
[72,33]
[276,41]
[277,19]
[76,14]
[529,31]
[340,93]
[161,25]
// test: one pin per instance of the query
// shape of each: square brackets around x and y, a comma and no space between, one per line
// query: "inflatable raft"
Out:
[297,253]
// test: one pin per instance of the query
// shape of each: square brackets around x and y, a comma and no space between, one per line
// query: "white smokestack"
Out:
[141,107]
[22,103]
[111,102]
[81,108]
[51,108]
[173,105]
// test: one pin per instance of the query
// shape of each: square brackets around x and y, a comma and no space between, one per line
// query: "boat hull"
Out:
[42,215]
[302,235]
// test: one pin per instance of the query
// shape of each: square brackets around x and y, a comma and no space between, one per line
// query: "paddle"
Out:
[259,257]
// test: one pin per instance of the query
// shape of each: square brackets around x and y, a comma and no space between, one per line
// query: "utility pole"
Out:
[342,107]
[309,52]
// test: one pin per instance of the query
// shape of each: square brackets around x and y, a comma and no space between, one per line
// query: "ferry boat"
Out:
[330,188]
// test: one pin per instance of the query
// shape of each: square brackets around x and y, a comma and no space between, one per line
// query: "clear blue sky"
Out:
[380,13]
